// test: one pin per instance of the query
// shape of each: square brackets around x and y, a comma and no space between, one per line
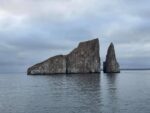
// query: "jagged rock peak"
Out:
[111,65]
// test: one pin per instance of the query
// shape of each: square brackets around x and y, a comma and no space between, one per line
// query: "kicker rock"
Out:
[53,65]
[111,65]
[84,59]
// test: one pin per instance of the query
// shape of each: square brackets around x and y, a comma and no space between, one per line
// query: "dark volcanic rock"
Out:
[84,59]
[111,65]
[53,65]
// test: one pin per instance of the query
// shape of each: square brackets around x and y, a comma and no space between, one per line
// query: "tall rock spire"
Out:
[111,65]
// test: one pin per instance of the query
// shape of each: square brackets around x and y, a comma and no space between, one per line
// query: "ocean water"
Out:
[127,92]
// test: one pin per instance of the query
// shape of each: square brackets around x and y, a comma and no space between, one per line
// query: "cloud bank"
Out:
[33,30]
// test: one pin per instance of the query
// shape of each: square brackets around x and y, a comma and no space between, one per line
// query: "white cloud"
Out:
[10,21]
[60,8]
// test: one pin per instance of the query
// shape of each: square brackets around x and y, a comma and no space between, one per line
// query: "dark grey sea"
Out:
[127,92]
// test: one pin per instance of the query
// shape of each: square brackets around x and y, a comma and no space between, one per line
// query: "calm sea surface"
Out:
[127,92]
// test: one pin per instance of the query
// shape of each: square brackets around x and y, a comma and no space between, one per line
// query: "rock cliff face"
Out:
[83,59]
[111,65]
[53,65]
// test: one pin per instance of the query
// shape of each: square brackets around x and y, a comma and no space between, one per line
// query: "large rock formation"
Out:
[83,59]
[111,65]
[53,65]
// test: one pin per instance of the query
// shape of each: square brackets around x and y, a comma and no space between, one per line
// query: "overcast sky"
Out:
[34,30]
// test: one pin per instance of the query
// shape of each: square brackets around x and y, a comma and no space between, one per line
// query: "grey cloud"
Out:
[45,31]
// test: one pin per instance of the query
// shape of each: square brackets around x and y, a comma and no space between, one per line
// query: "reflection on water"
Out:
[127,92]
[111,94]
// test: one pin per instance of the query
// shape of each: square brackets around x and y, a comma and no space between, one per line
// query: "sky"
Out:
[34,30]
